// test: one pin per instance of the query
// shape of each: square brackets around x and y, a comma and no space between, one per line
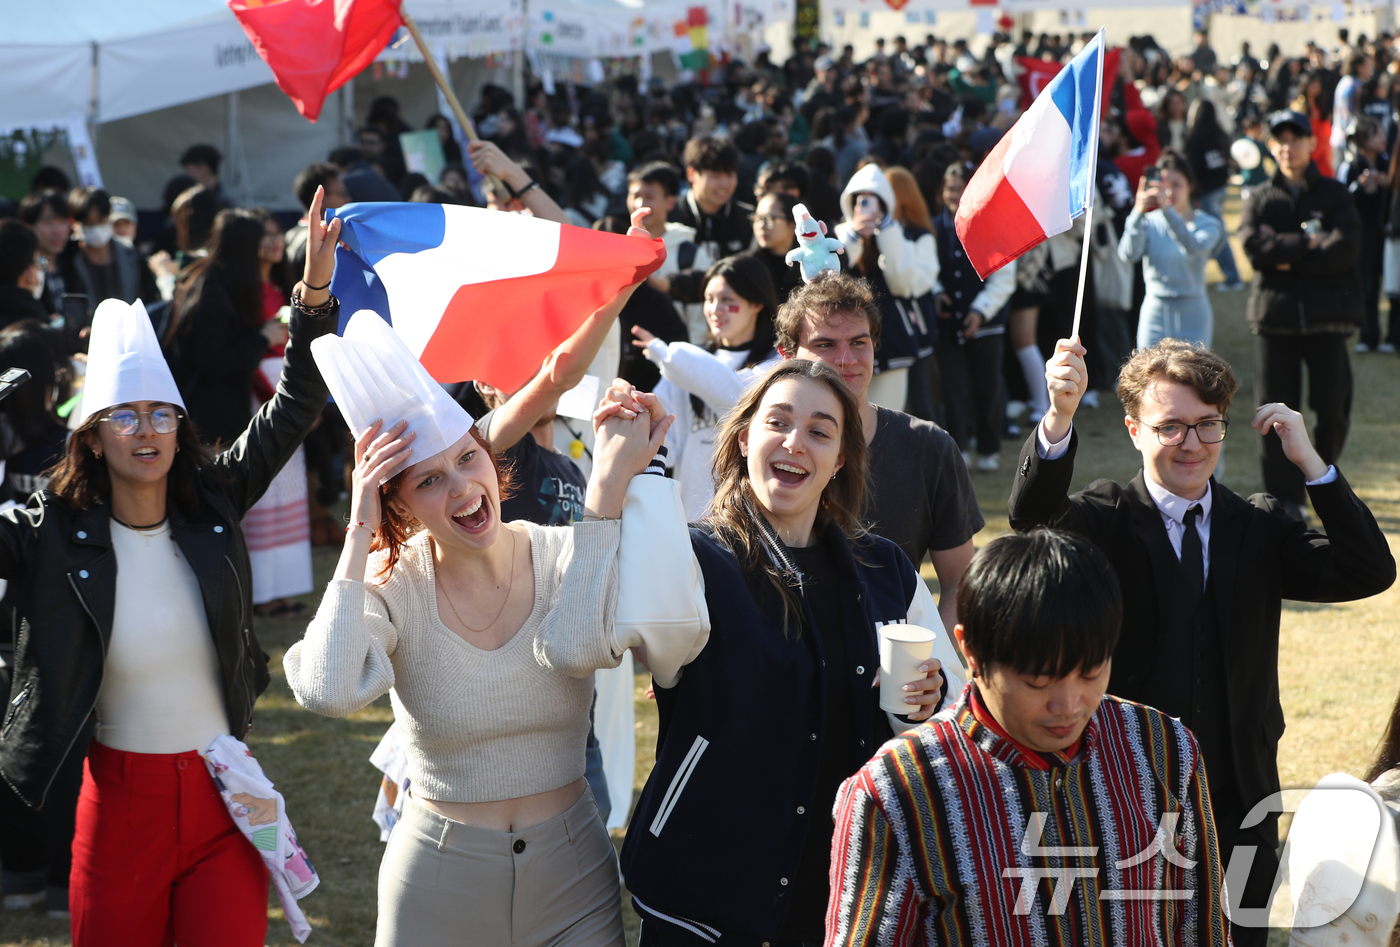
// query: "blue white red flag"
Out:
[477,293]
[1040,176]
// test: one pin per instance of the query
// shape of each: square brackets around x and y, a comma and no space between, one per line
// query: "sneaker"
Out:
[1014,409]
[967,460]
[23,902]
[1386,347]
[1235,287]
[1361,348]
[989,462]
[1090,399]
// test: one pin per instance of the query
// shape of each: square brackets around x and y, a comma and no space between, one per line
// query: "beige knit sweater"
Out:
[480,725]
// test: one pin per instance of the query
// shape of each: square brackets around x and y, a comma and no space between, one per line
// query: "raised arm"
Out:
[488,158]
[343,662]
[279,427]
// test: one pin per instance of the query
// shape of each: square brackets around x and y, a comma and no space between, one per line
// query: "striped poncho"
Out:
[953,834]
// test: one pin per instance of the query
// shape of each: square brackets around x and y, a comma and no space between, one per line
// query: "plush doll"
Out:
[815,252]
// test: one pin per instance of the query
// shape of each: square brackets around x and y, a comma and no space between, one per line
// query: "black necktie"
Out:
[1192,562]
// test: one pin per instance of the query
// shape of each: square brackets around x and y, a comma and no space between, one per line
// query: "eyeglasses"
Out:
[126,421]
[1173,435]
[766,220]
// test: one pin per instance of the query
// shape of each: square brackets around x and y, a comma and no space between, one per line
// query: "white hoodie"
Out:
[910,267]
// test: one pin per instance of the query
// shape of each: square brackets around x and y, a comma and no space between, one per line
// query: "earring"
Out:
[97,454]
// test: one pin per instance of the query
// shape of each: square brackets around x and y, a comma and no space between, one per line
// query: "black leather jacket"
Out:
[63,574]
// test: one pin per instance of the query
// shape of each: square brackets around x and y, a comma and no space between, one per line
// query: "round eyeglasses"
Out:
[1174,434]
[126,421]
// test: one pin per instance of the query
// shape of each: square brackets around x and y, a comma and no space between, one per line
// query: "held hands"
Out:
[1066,379]
[321,239]
[378,453]
[1288,425]
[629,428]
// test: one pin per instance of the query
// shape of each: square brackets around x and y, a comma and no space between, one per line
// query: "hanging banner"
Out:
[460,28]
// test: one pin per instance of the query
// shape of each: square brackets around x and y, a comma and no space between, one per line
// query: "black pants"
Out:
[1259,887]
[971,372]
[1278,376]
[36,847]
[1057,321]
[1370,265]
[919,400]
[660,934]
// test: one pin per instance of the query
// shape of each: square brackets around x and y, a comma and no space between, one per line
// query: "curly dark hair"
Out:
[824,297]
[1186,363]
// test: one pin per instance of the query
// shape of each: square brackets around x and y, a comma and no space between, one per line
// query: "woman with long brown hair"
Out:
[912,213]
[217,335]
[778,705]
[131,593]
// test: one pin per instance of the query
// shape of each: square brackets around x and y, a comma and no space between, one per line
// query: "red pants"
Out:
[157,858]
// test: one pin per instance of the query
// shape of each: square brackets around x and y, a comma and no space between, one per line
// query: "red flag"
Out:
[1037,73]
[316,46]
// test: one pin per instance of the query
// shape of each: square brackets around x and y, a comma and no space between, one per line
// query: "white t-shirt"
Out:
[160,683]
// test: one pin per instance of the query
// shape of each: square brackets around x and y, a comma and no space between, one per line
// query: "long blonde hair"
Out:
[734,508]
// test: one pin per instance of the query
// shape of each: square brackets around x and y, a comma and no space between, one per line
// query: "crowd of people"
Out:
[822,437]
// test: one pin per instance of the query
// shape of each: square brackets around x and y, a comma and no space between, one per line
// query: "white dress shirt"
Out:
[1172,507]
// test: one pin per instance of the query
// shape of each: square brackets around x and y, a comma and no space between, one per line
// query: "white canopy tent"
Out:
[151,78]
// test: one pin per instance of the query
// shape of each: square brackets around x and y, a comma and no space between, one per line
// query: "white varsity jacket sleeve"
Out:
[923,611]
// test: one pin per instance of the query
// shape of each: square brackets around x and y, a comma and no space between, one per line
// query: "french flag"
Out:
[477,293]
[1040,176]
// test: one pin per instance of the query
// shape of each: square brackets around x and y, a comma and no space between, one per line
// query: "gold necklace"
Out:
[509,587]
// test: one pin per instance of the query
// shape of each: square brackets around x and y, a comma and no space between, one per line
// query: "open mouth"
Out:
[475,517]
[789,474]
[146,453]
[810,236]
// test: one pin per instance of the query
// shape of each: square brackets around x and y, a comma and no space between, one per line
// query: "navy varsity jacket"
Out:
[720,826]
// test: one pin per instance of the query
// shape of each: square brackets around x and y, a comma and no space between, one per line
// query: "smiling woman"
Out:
[132,596]
[487,634]
[795,591]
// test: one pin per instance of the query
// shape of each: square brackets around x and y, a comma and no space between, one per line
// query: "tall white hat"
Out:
[125,363]
[372,374]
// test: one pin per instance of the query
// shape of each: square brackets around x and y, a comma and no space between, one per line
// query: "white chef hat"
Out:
[124,360]
[372,374]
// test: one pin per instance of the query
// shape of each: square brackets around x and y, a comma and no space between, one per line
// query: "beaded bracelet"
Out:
[360,524]
[320,309]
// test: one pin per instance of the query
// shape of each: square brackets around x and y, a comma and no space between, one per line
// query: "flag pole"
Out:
[1090,186]
[438,77]
[446,87]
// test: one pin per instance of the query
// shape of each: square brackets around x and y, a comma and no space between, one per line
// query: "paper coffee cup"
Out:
[902,649]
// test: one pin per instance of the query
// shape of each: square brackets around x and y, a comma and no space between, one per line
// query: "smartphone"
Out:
[1154,175]
[11,380]
[868,205]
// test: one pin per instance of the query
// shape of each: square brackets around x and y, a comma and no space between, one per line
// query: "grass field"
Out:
[1339,665]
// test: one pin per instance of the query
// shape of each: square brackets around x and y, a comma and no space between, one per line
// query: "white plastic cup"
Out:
[902,649]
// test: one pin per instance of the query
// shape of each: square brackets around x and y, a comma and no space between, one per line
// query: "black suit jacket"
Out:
[1259,555]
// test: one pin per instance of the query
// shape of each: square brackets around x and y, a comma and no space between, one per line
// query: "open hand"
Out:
[378,455]
[641,337]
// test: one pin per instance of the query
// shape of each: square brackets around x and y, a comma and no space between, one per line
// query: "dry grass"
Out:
[1337,664]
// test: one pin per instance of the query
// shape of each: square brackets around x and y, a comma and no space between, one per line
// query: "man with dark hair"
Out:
[362,182]
[1302,234]
[201,162]
[1035,775]
[1203,570]
[783,177]
[96,265]
[314,175]
[21,277]
[656,185]
[721,220]
[918,493]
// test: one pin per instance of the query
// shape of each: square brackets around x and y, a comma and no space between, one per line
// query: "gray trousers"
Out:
[446,884]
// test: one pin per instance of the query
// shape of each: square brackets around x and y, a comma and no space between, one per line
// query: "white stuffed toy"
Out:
[815,252]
